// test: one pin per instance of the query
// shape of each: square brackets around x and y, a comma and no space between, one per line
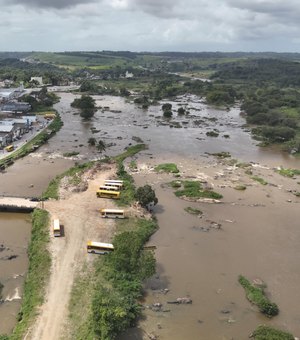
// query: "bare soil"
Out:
[78,212]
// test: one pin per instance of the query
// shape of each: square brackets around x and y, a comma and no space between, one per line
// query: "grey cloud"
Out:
[58,4]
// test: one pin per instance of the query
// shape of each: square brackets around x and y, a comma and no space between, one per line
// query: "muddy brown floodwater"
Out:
[15,234]
[259,233]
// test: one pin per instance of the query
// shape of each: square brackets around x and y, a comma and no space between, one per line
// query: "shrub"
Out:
[269,333]
[257,296]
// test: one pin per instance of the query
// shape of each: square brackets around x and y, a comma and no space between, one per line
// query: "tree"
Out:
[101,146]
[181,111]
[146,195]
[92,141]
[167,110]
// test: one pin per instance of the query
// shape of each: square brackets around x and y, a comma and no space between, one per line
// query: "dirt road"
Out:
[79,214]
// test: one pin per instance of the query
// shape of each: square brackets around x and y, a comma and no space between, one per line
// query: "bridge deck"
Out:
[17,204]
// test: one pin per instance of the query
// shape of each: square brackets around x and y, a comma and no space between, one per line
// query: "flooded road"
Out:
[259,241]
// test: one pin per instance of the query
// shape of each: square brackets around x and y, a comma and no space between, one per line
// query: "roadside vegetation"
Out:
[34,143]
[256,295]
[259,180]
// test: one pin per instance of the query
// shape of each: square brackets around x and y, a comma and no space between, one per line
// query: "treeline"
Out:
[17,71]
[259,72]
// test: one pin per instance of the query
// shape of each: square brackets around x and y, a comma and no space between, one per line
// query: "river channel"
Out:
[259,241]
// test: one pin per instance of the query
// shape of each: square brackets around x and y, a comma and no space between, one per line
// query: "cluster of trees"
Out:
[87,106]
[41,100]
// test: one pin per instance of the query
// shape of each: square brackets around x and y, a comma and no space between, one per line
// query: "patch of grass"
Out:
[70,154]
[193,211]
[222,154]
[131,151]
[243,165]
[176,184]
[288,172]
[80,305]
[212,134]
[194,189]
[38,272]
[133,165]
[259,180]
[257,296]
[240,187]
[167,167]
[269,333]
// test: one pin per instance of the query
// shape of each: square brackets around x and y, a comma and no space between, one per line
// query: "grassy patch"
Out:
[80,305]
[269,333]
[194,189]
[193,211]
[223,154]
[259,180]
[257,296]
[288,172]
[70,154]
[167,167]
[131,151]
[38,272]
[240,187]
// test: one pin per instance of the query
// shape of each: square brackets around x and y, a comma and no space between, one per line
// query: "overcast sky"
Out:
[150,25]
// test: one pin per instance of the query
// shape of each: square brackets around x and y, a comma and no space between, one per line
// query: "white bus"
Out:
[109,187]
[113,183]
[56,228]
[112,213]
[99,247]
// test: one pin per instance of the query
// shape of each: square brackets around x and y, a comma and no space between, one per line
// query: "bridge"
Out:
[18,204]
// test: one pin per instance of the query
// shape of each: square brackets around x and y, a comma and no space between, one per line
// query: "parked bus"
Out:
[56,228]
[115,183]
[9,148]
[105,248]
[108,194]
[99,247]
[112,213]
[49,116]
[109,188]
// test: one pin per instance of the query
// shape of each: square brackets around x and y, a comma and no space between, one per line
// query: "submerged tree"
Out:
[146,195]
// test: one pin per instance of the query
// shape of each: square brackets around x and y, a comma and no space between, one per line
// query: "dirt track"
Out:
[79,214]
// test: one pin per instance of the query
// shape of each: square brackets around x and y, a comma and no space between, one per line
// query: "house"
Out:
[37,80]
[6,134]
[9,94]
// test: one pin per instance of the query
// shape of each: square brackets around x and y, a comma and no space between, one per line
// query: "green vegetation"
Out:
[70,154]
[268,333]
[194,189]
[288,172]
[257,296]
[259,180]
[114,303]
[222,154]
[86,104]
[145,195]
[167,167]
[193,211]
[240,187]
[38,272]
[1,288]
[212,134]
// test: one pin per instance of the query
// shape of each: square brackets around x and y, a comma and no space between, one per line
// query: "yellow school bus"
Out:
[9,148]
[99,247]
[109,188]
[112,213]
[114,183]
[108,194]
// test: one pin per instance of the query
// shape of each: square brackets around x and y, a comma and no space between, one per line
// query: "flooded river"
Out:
[254,240]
